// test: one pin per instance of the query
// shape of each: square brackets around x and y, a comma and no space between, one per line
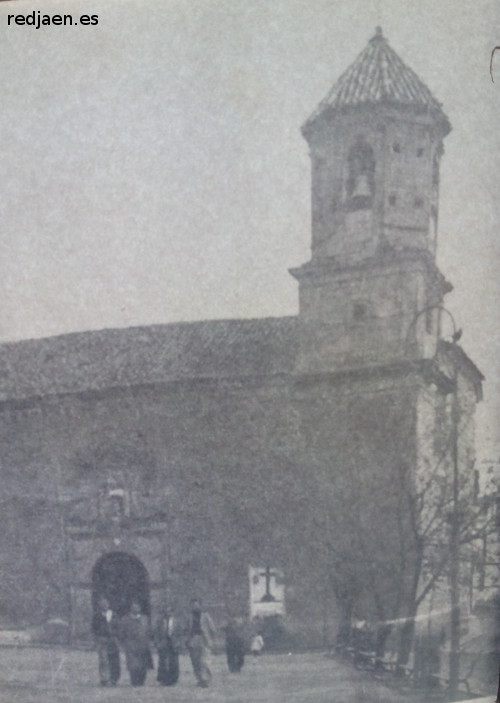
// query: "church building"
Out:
[217,458]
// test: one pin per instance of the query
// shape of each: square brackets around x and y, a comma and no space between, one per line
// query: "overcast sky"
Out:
[152,167]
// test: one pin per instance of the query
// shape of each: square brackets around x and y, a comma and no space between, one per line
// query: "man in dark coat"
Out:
[135,636]
[168,640]
[105,624]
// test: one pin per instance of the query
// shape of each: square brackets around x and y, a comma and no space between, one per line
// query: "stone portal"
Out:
[122,578]
[117,548]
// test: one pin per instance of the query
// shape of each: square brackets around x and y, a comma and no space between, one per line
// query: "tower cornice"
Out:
[381,262]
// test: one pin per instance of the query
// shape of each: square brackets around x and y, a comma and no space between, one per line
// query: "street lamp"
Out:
[454,669]
[454,661]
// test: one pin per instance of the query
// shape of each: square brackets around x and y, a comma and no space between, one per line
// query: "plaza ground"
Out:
[60,675]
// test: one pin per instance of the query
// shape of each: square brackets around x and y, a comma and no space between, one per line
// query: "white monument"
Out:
[267,591]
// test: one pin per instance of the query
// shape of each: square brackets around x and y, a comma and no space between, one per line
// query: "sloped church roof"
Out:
[379,76]
[99,359]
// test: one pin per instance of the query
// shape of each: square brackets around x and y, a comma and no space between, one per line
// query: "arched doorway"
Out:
[121,578]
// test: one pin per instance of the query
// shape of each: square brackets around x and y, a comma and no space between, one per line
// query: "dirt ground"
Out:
[58,675]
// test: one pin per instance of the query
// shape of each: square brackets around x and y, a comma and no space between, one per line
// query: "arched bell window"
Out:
[360,185]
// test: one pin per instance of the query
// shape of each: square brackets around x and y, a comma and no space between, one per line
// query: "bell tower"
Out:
[375,143]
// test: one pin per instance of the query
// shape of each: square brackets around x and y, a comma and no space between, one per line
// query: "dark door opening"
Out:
[121,578]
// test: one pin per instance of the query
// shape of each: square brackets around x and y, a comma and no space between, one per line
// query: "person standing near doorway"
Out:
[105,624]
[257,644]
[168,640]
[135,636]
[201,638]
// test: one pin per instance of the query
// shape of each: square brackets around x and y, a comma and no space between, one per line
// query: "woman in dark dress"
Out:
[136,639]
[235,645]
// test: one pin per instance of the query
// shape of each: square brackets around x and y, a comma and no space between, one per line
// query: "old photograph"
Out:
[249,344]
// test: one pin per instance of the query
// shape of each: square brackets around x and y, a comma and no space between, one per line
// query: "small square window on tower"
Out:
[392,200]
[420,151]
[396,147]
[359,312]
[418,202]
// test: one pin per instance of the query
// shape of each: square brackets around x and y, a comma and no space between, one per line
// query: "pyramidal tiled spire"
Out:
[379,76]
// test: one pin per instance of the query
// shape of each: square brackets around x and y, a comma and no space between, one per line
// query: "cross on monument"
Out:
[268,596]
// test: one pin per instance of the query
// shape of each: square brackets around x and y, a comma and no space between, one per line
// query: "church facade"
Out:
[164,462]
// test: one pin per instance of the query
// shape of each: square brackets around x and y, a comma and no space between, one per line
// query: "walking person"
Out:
[136,639]
[201,637]
[105,625]
[168,640]
[235,645]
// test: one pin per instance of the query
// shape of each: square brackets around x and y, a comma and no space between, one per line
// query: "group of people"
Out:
[134,635]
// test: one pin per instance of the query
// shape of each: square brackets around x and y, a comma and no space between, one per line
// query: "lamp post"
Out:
[454,660]
[454,671]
